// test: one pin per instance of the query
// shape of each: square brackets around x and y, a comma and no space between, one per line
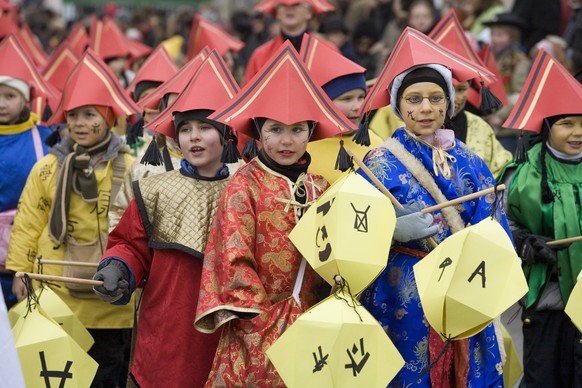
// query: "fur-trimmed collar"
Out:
[423,177]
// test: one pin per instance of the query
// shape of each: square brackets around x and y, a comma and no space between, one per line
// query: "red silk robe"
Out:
[250,266]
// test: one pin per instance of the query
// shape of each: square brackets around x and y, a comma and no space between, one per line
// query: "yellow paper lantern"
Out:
[58,310]
[573,307]
[469,279]
[48,355]
[336,343]
[348,231]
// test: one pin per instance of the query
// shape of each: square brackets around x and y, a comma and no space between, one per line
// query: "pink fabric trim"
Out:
[37,144]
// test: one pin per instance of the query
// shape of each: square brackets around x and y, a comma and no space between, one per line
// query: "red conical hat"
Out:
[284,91]
[210,88]
[324,61]
[319,6]
[8,7]
[15,62]
[78,39]
[449,33]
[414,48]
[137,49]
[549,90]
[176,84]
[159,67]
[39,104]
[106,39]
[496,87]
[8,18]
[60,66]
[33,47]
[205,33]
[8,24]
[93,83]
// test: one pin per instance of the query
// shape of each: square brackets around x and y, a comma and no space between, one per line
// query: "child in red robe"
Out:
[255,283]
[160,240]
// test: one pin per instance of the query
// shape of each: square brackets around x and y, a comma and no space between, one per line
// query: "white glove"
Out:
[411,224]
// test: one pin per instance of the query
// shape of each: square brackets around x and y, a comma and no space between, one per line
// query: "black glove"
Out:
[533,248]
[115,277]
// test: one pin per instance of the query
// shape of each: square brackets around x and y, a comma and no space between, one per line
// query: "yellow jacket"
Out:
[385,122]
[30,237]
[482,140]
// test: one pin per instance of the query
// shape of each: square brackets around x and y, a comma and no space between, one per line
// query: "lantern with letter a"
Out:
[469,279]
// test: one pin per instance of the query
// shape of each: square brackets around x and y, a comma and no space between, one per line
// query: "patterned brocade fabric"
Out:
[251,266]
[393,298]
[188,205]
[482,141]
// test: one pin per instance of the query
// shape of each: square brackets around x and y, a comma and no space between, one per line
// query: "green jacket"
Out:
[559,219]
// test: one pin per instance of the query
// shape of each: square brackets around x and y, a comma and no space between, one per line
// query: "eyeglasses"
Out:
[435,99]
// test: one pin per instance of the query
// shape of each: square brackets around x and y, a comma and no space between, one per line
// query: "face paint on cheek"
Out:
[442,112]
[264,139]
[95,128]
[410,116]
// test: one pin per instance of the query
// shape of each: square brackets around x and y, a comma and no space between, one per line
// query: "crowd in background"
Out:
[365,30]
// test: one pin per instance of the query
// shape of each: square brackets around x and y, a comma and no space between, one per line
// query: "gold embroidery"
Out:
[180,209]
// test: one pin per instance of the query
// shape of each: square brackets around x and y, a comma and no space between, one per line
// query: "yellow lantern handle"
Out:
[54,278]
[383,189]
[462,199]
[66,263]
[565,241]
